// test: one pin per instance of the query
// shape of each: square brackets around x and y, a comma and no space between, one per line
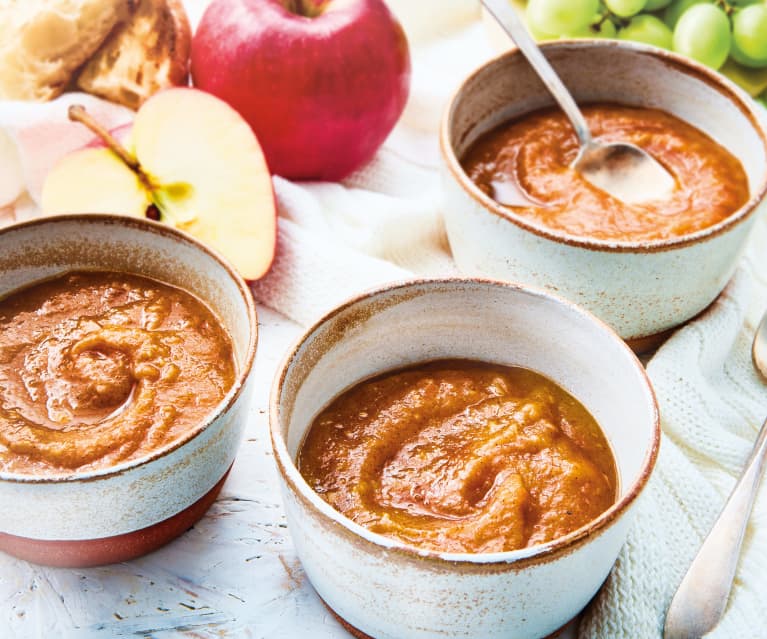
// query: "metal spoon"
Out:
[621,169]
[701,598]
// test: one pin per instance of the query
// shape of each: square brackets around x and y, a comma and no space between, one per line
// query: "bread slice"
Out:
[43,42]
[142,56]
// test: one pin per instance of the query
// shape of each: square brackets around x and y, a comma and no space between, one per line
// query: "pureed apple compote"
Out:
[98,368]
[536,152]
[461,456]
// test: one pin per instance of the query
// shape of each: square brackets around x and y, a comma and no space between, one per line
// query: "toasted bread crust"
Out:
[148,53]
[121,50]
[51,39]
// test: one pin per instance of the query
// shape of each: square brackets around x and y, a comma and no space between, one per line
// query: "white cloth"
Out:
[383,223]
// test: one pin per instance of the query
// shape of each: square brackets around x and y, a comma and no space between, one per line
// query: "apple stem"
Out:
[307,8]
[77,113]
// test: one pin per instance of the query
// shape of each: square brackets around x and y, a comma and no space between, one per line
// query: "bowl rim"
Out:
[714,80]
[536,554]
[145,225]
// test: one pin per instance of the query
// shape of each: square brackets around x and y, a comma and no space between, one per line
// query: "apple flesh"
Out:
[94,180]
[196,161]
[321,82]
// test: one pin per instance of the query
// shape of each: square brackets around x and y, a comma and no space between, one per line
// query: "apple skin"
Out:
[320,93]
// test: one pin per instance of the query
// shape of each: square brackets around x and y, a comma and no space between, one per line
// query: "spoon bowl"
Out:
[622,170]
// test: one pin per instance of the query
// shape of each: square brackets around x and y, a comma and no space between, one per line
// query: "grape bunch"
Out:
[728,35]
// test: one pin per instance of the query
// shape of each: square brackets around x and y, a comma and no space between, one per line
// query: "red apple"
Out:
[321,82]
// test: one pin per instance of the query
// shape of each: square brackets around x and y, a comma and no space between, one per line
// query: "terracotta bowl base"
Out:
[361,635]
[82,553]
[650,343]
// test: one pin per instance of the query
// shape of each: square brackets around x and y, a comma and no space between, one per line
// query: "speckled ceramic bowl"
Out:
[641,289]
[378,586]
[115,514]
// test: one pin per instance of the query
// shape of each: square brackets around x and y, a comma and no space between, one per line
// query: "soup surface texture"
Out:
[461,456]
[536,152]
[98,368]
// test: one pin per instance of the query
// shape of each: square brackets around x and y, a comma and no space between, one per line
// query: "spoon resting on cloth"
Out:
[701,598]
[621,169]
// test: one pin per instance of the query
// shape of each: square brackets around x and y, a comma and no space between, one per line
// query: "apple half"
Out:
[193,159]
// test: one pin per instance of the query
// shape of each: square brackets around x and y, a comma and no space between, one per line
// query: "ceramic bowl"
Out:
[644,288]
[121,512]
[382,588]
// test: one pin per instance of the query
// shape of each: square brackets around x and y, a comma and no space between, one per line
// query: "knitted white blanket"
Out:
[384,223]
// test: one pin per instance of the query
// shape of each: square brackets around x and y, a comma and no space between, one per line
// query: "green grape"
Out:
[752,81]
[676,9]
[648,29]
[749,36]
[597,29]
[625,8]
[541,35]
[703,33]
[654,5]
[560,16]
[744,3]
[537,33]
[607,30]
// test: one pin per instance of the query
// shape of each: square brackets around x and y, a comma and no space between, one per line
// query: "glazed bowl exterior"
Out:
[384,589]
[640,288]
[120,512]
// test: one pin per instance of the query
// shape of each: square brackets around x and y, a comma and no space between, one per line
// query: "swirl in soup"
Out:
[98,368]
[461,456]
[532,156]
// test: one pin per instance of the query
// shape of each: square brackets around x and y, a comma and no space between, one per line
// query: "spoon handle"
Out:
[507,17]
[701,598]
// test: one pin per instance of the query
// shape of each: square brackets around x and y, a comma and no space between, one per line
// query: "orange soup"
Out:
[461,456]
[536,153]
[101,368]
